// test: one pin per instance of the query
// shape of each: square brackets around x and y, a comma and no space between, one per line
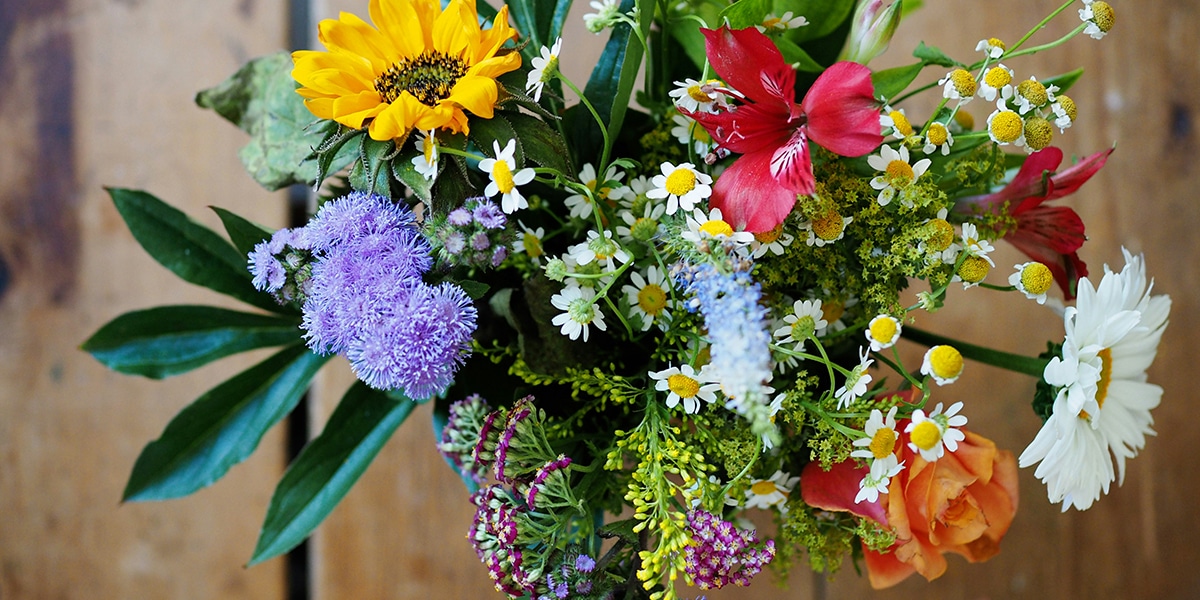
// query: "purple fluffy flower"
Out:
[489,215]
[352,216]
[267,271]
[459,217]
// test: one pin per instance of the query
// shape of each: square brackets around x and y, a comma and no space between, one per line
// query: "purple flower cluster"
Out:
[555,469]
[280,266]
[460,436]
[572,579]
[497,539]
[720,553]
[473,235]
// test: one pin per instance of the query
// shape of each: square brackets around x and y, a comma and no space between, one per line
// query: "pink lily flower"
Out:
[771,131]
[1051,235]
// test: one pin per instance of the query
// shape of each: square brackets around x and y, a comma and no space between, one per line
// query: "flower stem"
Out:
[1018,363]
[1038,27]
[603,168]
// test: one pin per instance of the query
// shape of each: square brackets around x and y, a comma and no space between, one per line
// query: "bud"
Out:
[871,30]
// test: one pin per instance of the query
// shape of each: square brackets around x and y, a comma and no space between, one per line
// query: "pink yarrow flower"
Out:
[1051,235]
[772,132]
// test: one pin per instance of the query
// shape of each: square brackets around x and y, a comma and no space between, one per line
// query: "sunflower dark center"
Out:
[429,77]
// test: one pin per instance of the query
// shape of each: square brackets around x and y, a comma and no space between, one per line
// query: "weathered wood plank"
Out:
[100,93]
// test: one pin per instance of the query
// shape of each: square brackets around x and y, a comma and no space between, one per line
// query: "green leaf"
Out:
[406,172]
[611,83]
[620,529]
[747,13]
[541,22]
[824,16]
[933,56]
[168,340]
[328,466]
[370,172]
[1064,81]
[261,99]
[475,289]
[795,55]
[192,251]
[222,427]
[540,142]
[890,82]
[244,234]
[485,132]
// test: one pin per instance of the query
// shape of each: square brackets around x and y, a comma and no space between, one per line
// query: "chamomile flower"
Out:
[694,96]
[937,242]
[897,121]
[833,309]
[684,384]
[1033,279]
[807,319]
[960,85]
[772,492]
[874,484]
[784,23]
[682,185]
[607,14]
[650,297]
[426,163]
[644,228]
[1065,111]
[579,312]
[773,241]
[878,446]
[702,228]
[992,47]
[997,81]
[933,435]
[882,332]
[636,196]
[503,179]
[938,136]
[943,363]
[689,132]
[1031,94]
[530,242]
[601,249]
[1099,17]
[898,176]
[1005,126]
[977,264]
[856,381]
[773,409]
[608,188]
[544,68]
[826,229]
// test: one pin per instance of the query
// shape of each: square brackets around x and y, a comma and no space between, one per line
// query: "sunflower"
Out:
[419,67]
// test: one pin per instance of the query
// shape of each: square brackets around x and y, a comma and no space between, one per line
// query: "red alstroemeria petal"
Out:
[749,197]
[744,57]
[1030,185]
[1070,179]
[836,488]
[843,115]
[791,164]
[747,128]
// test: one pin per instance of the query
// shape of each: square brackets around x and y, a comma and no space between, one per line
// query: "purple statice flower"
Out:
[489,215]
[459,217]
[417,343]
[552,467]
[720,553]
[462,433]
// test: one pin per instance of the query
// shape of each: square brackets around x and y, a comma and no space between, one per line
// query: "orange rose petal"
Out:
[884,569]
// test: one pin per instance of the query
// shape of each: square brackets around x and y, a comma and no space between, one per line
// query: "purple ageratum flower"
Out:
[498,255]
[353,216]
[269,274]
[584,563]
[419,342]
[480,241]
[489,215]
[459,217]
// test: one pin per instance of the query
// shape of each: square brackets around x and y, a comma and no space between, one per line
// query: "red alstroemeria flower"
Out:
[1051,235]
[772,132]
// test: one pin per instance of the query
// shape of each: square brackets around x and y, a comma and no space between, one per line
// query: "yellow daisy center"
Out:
[1103,16]
[997,77]
[974,269]
[1006,126]
[900,122]
[1038,133]
[900,173]
[533,246]
[683,386]
[946,361]
[964,119]
[697,93]
[768,237]
[429,77]
[1036,278]
[1068,106]
[883,443]
[803,327]
[716,227]
[1105,379]
[1033,91]
[883,330]
[926,435]
[996,43]
[772,22]
[942,236]
[503,176]
[680,182]
[964,82]
[832,310]
[765,488]
[830,226]
[699,133]
[652,300]
[938,134]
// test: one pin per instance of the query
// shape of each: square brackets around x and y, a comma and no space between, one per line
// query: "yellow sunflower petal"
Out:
[443,116]
[476,94]
[350,111]
[456,30]
[354,36]
[491,39]
[398,118]
[403,24]
[497,65]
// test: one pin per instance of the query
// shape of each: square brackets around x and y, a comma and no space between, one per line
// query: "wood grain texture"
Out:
[95,94]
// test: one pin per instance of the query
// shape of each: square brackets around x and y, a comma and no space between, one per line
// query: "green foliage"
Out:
[244,234]
[933,56]
[1045,394]
[890,82]
[539,21]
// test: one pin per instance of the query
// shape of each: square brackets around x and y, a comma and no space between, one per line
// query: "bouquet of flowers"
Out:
[645,312]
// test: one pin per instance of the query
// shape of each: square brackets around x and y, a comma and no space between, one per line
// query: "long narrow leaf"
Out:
[168,340]
[328,466]
[222,427]
[611,82]
[244,233]
[192,251]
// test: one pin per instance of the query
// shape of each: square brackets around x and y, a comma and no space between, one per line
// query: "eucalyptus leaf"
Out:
[168,340]
[244,234]
[222,427]
[261,99]
[328,467]
[192,251]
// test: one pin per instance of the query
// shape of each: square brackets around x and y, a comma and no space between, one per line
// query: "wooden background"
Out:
[99,93]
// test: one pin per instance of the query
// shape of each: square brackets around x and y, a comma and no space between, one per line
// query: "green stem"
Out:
[603,168]
[1037,28]
[1018,363]
[1060,41]
[816,410]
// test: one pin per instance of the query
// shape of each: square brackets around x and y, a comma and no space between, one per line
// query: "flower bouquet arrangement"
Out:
[645,308]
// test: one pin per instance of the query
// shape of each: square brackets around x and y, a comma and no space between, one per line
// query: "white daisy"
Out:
[878,446]
[702,228]
[974,245]
[897,121]
[960,85]
[530,242]
[683,186]
[856,381]
[807,319]
[1099,17]
[773,242]
[874,484]
[579,311]
[938,136]
[503,180]
[1103,402]
[825,230]
[688,131]
[773,409]
[426,163]
[992,47]
[1005,126]
[650,297]
[609,188]
[684,384]
[784,23]
[544,68]
[882,332]
[1031,94]
[693,96]
[943,363]
[1065,111]
[898,176]
[833,309]
[644,228]
[997,81]
[606,15]
[938,245]
[772,492]
[1033,279]
[933,435]
[601,249]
